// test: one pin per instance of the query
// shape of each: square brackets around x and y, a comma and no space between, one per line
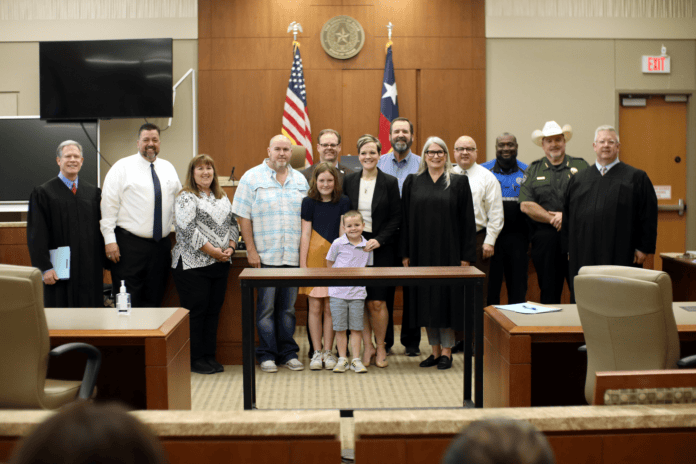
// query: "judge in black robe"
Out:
[439,229]
[610,218]
[58,217]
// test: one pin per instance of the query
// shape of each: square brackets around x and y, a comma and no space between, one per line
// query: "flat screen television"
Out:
[28,152]
[103,79]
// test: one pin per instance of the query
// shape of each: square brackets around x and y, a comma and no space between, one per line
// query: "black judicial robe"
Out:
[439,229]
[57,217]
[606,218]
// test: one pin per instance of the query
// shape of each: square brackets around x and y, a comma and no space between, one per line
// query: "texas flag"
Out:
[389,108]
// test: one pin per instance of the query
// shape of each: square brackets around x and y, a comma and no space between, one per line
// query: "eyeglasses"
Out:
[465,149]
[611,143]
[328,145]
[435,154]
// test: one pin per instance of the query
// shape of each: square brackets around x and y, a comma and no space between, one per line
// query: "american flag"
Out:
[295,117]
[389,108]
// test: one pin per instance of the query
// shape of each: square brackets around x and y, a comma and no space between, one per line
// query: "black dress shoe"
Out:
[444,362]
[214,364]
[199,366]
[412,352]
[459,347]
[430,361]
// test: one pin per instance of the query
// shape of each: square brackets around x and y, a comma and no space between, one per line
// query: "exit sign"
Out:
[656,64]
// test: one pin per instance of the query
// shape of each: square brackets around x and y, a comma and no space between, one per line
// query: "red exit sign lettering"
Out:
[656,64]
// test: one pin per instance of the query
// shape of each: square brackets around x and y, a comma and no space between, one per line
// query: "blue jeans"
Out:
[275,321]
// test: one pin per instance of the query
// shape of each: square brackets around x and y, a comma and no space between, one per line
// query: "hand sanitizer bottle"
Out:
[123,301]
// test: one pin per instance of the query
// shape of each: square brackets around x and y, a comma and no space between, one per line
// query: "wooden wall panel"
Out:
[451,104]
[245,56]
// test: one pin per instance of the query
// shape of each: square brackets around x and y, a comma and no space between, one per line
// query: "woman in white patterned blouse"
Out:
[206,237]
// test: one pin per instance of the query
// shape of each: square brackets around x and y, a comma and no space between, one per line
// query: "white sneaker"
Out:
[269,366]
[357,366]
[341,365]
[329,360]
[294,365]
[316,363]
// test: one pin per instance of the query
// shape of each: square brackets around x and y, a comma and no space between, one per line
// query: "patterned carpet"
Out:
[401,385]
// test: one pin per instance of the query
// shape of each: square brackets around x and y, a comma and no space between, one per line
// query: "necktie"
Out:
[604,170]
[74,188]
[157,223]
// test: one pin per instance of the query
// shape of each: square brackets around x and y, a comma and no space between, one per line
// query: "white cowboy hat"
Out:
[552,128]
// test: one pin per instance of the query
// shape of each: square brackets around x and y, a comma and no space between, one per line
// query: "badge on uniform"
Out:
[541,178]
[573,170]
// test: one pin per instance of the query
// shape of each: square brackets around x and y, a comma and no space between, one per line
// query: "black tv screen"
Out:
[28,152]
[106,79]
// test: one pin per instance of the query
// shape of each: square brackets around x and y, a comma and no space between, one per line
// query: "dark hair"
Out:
[499,441]
[367,138]
[314,191]
[329,131]
[190,184]
[505,134]
[148,126]
[400,119]
[86,433]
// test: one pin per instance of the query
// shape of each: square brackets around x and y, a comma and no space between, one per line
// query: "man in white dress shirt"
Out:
[488,203]
[137,211]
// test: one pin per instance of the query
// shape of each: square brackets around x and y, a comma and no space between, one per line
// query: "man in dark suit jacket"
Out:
[328,147]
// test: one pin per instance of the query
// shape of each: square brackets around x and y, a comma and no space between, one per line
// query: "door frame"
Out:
[690,149]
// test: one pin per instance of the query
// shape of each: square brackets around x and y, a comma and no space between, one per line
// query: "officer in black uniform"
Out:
[541,198]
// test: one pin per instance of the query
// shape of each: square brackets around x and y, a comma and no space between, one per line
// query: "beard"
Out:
[506,163]
[401,145]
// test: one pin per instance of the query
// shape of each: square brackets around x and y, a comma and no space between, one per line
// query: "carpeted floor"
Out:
[401,385]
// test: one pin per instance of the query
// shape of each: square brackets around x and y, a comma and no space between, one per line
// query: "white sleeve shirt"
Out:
[128,197]
[488,201]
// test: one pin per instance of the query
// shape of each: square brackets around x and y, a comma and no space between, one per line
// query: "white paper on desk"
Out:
[60,258]
[528,308]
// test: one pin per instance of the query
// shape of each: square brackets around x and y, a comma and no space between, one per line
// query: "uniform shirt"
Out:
[488,200]
[546,184]
[274,211]
[345,254]
[399,169]
[128,197]
[510,184]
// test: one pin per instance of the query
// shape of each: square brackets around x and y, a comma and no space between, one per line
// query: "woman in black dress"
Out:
[376,195]
[438,230]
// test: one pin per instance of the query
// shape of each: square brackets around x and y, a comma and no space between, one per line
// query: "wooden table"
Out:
[556,377]
[146,357]
[469,277]
[682,271]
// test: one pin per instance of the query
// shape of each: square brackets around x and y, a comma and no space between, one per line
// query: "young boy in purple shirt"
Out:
[348,303]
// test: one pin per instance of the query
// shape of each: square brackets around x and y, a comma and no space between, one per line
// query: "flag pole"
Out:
[389,108]
[295,125]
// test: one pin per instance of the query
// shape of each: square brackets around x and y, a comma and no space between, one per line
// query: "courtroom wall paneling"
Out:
[245,57]
[451,104]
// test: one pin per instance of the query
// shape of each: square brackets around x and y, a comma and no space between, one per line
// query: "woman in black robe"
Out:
[438,230]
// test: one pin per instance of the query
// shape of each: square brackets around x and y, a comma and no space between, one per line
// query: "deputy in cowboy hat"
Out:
[541,198]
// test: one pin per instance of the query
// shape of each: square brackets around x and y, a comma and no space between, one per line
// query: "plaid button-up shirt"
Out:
[274,211]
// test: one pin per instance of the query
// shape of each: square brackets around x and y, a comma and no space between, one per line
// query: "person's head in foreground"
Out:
[499,441]
[85,433]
